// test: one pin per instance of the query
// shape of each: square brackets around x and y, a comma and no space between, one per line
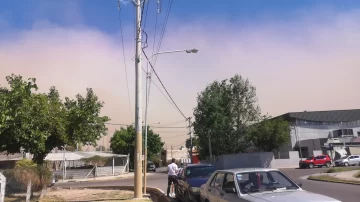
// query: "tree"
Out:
[85,125]
[223,112]
[37,123]
[123,142]
[270,134]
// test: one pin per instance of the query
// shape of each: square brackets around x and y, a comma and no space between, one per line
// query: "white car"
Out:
[255,184]
[349,160]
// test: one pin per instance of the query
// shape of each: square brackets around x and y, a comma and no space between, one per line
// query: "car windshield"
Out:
[258,182]
[344,157]
[309,158]
[200,171]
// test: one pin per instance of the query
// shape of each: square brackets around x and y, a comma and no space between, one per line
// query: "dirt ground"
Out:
[63,195]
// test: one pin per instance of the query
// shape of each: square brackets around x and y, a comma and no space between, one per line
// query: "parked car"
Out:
[320,161]
[255,184]
[190,178]
[349,160]
[151,166]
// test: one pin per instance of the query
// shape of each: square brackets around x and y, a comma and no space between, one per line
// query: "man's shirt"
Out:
[172,169]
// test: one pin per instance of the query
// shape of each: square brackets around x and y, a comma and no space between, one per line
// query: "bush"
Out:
[97,160]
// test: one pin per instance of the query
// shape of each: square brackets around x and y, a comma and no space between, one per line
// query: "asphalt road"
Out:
[343,192]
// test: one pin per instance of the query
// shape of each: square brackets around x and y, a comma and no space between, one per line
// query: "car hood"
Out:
[197,182]
[293,196]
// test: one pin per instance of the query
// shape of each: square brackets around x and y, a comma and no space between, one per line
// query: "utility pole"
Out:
[191,144]
[146,124]
[138,112]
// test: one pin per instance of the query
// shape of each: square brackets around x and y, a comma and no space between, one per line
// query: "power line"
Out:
[163,85]
[123,50]
[164,28]
[162,92]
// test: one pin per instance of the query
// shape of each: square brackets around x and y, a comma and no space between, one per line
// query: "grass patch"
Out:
[327,178]
[341,169]
[357,175]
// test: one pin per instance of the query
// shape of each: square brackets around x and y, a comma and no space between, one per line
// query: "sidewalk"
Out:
[104,178]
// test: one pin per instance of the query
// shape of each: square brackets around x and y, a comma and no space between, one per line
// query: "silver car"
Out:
[349,160]
[255,184]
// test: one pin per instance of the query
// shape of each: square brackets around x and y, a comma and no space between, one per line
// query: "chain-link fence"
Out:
[77,165]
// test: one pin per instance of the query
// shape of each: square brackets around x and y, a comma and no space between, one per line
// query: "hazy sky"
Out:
[300,55]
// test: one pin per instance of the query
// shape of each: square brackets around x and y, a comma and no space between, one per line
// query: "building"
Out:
[317,130]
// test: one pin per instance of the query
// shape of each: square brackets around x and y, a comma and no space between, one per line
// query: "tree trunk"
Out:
[28,191]
[43,192]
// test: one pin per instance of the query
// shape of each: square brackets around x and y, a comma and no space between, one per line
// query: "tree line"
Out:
[228,118]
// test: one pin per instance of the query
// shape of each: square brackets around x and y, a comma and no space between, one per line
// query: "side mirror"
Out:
[230,190]
[300,184]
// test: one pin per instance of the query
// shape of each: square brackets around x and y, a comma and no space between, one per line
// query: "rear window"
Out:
[199,171]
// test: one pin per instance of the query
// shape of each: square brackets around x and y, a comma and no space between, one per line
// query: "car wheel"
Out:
[327,164]
[346,164]
[311,165]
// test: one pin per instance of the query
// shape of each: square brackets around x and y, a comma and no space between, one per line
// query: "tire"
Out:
[346,164]
[311,165]
[327,164]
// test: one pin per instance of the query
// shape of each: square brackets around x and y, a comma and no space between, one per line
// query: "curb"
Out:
[156,194]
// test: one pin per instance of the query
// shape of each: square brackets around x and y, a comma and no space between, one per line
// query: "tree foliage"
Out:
[37,122]
[270,134]
[223,112]
[123,142]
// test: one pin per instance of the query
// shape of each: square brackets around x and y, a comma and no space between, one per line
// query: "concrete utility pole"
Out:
[191,144]
[138,115]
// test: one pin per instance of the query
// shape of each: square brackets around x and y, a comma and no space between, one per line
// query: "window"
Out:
[263,181]
[199,171]
[229,182]
[218,180]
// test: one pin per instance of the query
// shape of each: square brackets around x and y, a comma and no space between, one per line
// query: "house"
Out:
[317,130]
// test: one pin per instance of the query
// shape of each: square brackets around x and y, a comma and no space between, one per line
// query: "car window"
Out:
[229,182]
[351,157]
[263,181]
[200,171]
[357,157]
[218,180]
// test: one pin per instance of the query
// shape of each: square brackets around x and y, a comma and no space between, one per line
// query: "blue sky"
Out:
[103,15]
[299,54]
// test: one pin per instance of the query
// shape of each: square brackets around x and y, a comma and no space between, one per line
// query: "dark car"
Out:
[151,166]
[190,179]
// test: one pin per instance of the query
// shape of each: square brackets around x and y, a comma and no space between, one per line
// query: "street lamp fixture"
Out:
[192,51]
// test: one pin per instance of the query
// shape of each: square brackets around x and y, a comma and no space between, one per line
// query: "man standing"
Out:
[172,175]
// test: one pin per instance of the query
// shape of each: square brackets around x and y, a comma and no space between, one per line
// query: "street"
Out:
[343,192]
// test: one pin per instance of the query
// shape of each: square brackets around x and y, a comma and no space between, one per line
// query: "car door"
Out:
[215,187]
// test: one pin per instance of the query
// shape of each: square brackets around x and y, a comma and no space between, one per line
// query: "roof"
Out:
[325,116]
[75,156]
[199,165]
[243,170]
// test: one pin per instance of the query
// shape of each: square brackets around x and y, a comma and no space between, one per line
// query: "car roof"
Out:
[244,170]
[199,165]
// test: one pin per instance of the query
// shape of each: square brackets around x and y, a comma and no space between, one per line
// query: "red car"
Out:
[320,161]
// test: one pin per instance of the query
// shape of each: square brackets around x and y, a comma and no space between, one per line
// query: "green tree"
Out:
[37,123]
[270,134]
[223,112]
[85,125]
[123,142]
